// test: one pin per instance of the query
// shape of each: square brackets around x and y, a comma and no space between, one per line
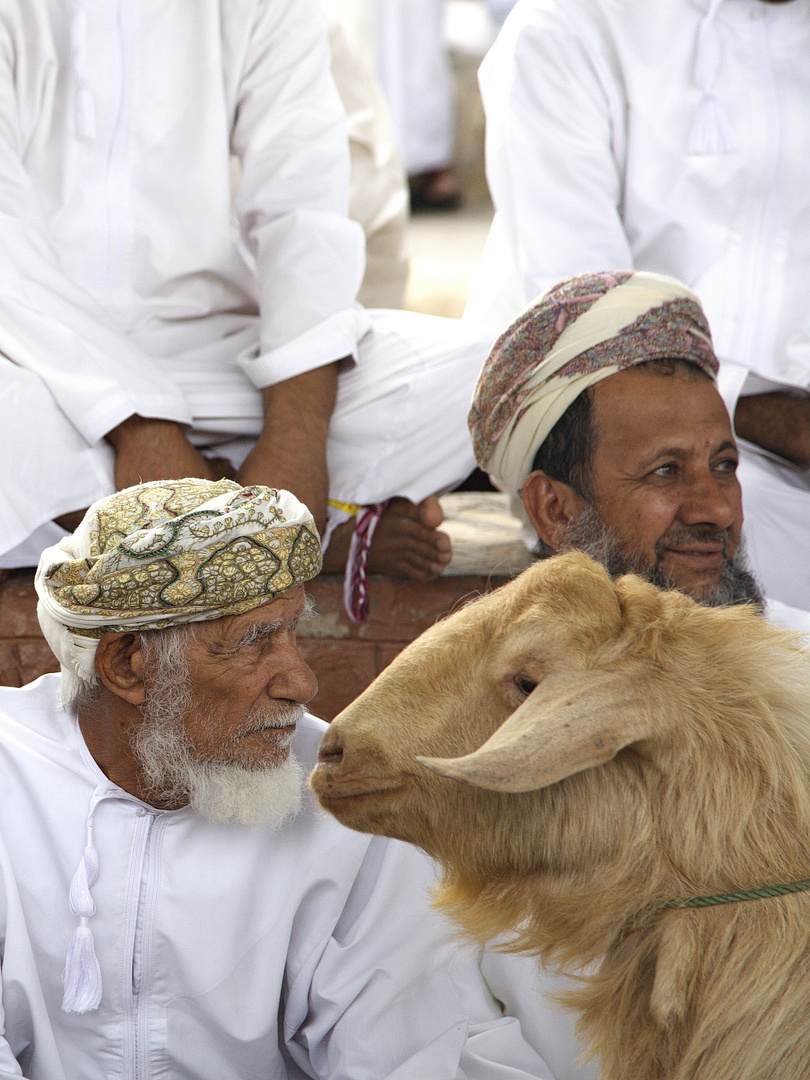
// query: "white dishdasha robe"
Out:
[226,952]
[592,108]
[414,69]
[132,279]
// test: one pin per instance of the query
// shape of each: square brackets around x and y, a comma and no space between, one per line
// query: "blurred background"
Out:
[423,55]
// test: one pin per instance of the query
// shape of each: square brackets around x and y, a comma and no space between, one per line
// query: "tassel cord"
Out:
[82,977]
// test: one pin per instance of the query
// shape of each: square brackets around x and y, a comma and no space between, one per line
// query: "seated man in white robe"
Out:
[598,412]
[153,325]
[171,900]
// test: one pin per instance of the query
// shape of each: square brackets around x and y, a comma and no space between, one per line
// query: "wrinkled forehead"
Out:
[282,610]
[639,409]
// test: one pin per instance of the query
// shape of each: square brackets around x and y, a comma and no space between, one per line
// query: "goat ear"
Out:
[573,720]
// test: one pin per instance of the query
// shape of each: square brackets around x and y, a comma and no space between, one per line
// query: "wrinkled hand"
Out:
[147,449]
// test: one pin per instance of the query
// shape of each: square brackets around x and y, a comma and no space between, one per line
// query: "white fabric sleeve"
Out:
[51,326]
[555,143]
[393,995]
[292,200]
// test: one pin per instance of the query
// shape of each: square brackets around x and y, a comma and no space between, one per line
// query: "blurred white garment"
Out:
[675,138]
[378,190]
[118,242]
[414,70]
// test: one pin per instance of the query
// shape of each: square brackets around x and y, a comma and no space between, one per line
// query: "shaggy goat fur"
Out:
[665,753]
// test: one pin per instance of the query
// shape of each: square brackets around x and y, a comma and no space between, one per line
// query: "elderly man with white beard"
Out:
[171,902]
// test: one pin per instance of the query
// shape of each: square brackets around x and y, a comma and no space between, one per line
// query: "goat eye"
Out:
[525,684]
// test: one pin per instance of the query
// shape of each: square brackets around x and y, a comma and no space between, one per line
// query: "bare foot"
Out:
[407,542]
[434,190]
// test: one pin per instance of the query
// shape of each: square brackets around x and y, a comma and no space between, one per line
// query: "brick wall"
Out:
[346,658]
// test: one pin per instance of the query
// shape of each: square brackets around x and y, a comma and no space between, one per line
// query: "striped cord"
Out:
[736,897]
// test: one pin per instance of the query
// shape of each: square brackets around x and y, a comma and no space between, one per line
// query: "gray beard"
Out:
[173,772]
[588,533]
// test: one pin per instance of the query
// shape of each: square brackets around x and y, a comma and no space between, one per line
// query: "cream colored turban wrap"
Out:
[166,553]
[583,330]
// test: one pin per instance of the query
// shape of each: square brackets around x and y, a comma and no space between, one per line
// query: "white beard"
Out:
[221,791]
[249,796]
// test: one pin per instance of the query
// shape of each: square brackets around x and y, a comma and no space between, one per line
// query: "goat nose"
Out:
[330,751]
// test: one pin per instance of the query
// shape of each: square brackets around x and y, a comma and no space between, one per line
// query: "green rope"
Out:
[734,897]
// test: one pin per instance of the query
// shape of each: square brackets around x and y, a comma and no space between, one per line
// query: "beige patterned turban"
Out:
[583,330]
[166,553]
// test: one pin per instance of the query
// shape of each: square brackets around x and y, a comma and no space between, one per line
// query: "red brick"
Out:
[36,659]
[327,592]
[344,669]
[18,606]
[9,664]
[400,610]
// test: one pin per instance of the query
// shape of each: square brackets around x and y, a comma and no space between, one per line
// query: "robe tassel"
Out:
[85,102]
[82,993]
[711,129]
[82,979]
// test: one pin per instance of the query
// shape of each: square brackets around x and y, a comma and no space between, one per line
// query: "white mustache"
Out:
[262,718]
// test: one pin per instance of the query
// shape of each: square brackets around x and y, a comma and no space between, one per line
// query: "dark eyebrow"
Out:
[728,444]
[679,454]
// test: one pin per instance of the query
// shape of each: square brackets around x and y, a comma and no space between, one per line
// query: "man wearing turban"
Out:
[672,137]
[598,412]
[171,901]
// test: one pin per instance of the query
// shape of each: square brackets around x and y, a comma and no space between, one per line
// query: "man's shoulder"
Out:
[626,25]
[36,737]
[38,699]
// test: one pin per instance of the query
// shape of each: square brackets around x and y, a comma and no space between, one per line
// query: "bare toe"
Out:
[430,512]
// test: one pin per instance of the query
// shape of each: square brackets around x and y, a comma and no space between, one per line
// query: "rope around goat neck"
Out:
[735,897]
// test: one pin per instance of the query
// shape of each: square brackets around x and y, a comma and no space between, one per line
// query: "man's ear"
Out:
[119,663]
[551,506]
